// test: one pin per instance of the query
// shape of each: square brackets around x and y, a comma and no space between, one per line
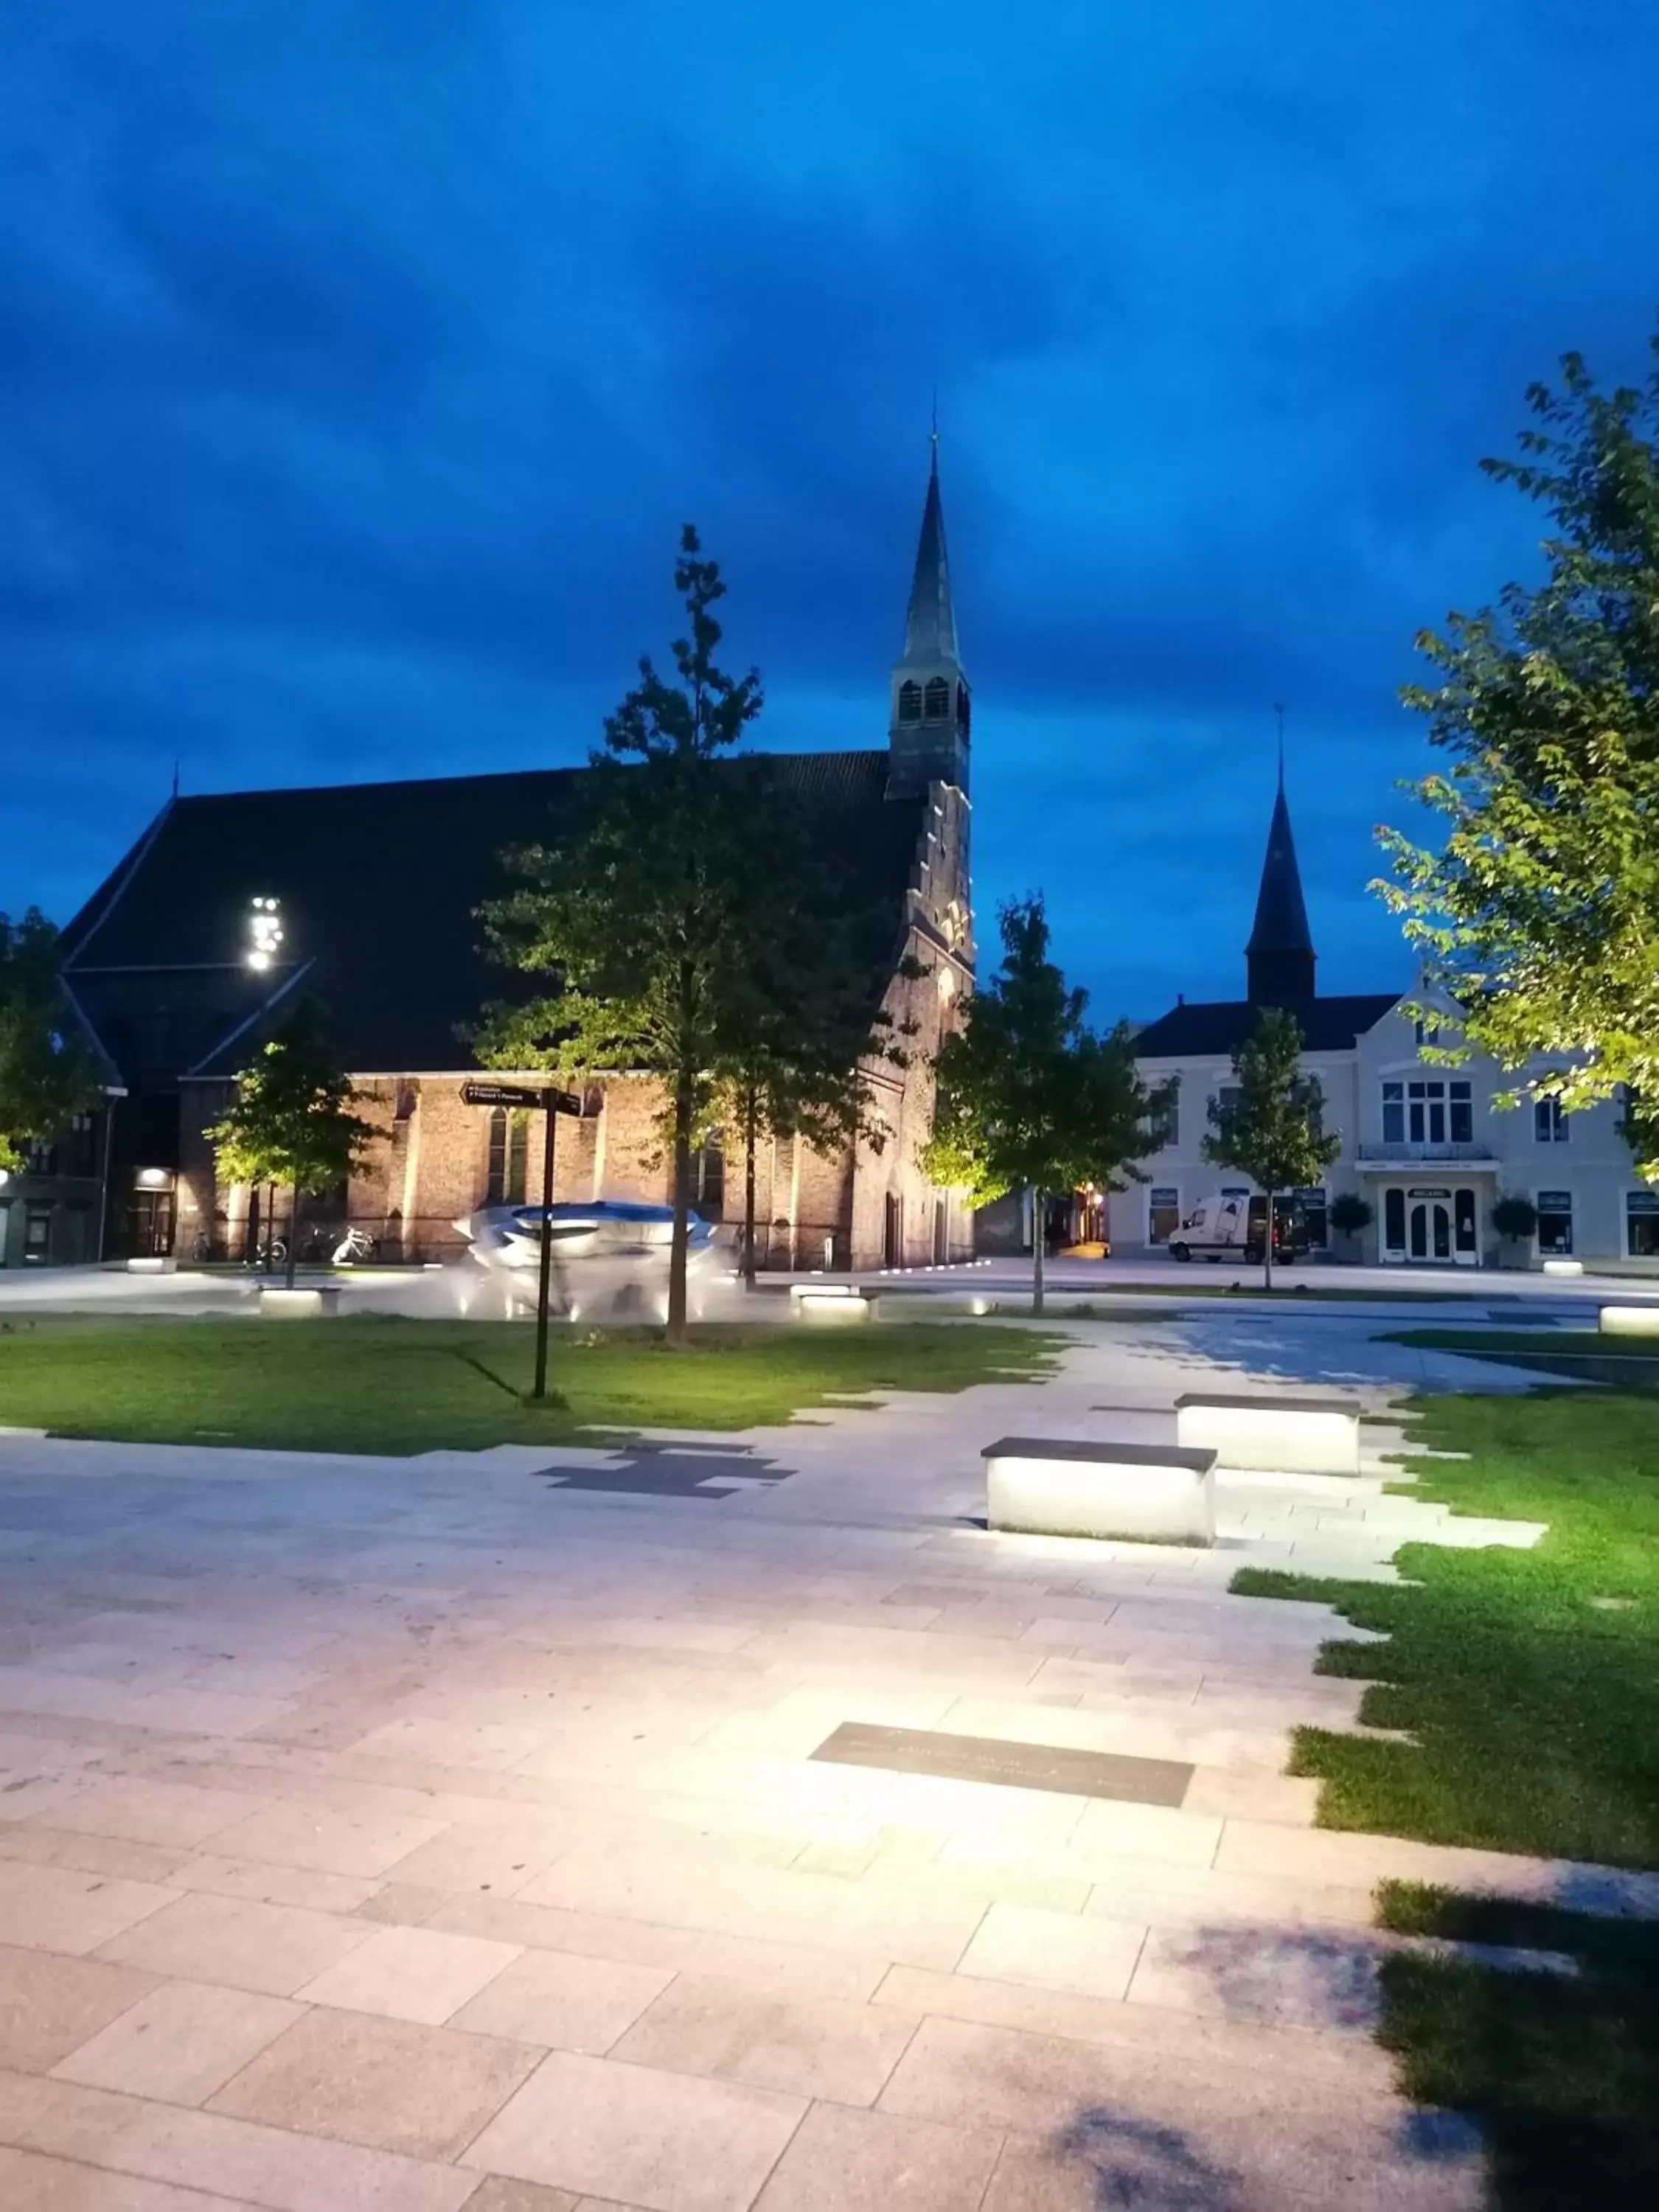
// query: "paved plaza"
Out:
[393,1836]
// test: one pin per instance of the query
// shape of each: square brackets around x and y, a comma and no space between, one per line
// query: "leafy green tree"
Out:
[1271,1128]
[635,919]
[1028,1096]
[47,1072]
[290,1120]
[1539,915]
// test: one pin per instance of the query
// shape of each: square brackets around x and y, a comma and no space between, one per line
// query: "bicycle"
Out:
[356,1244]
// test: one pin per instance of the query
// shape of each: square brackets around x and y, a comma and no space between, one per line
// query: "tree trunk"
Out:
[293,1236]
[677,1253]
[1038,1238]
[1267,1244]
[751,1120]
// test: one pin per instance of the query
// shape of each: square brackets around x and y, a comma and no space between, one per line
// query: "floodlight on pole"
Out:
[265,931]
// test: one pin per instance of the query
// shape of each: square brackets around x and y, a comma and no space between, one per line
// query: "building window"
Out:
[1314,1213]
[1228,1095]
[1163,1213]
[1427,1034]
[518,1158]
[37,1235]
[909,702]
[81,1147]
[708,1182]
[1549,1123]
[937,698]
[1166,1122]
[41,1158]
[1460,1106]
[1555,1221]
[961,708]
[1641,1225]
[1394,1222]
[1394,1113]
[495,1159]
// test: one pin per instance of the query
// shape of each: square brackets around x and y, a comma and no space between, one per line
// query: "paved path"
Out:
[411,1834]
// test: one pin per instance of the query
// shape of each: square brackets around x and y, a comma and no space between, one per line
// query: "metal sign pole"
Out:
[550,1114]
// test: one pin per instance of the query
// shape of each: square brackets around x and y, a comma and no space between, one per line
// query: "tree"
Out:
[290,1120]
[801,1019]
[1351,1215]
[1028,1096]
[47,1072]
[1539,916]
[634,920]
[1270,1128]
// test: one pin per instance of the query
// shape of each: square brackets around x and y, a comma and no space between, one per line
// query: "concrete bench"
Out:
[1054,1486]
[1564,1267]
[1309,1436]
[314,1303]
[834,1303]
[1629,1321]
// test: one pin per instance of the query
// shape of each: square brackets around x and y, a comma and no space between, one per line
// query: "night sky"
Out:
[360,359]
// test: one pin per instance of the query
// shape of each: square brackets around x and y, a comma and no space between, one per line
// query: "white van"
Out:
[1232,1226]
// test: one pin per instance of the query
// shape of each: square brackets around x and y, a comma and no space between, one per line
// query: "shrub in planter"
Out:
[1515,1219]
[1350,1215]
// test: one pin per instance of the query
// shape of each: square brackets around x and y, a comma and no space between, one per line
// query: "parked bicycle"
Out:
[356,1244]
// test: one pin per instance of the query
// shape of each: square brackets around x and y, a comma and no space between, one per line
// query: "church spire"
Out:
[930,700]
[1280,958]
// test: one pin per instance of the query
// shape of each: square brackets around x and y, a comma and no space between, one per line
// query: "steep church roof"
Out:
[1281,912]
[930,624]
[378,884]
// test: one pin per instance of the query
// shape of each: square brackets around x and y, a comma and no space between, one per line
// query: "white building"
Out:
[1422,1144]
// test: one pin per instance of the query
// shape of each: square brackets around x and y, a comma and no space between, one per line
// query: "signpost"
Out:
[517,1098]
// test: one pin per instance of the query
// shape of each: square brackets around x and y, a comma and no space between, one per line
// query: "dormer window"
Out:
[938,696]
[909,702]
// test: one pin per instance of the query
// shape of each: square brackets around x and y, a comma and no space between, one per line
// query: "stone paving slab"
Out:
[389,1836]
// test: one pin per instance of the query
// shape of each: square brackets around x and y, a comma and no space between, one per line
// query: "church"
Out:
[179,977]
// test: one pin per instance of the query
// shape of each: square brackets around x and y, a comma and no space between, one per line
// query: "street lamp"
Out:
[264,932]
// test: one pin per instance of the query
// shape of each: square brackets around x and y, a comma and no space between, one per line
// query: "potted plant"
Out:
[1350,1216]
[1516,1220]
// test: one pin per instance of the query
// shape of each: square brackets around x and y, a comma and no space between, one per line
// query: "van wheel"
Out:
[1252,1255]
[1181,1252]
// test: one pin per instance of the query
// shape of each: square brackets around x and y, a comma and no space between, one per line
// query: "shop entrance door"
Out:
[1441,1227]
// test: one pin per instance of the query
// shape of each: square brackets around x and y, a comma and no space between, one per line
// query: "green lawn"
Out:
[1530,1678]
[374,1384]
[1562,2075]
[1530,1683]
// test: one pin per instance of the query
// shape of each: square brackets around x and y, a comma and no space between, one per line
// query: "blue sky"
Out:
[361,358]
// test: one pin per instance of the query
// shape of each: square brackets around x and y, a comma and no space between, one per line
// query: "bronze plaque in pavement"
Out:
[1010,1766]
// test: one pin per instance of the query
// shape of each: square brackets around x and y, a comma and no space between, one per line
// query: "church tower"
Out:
[1280,958]
[928,722]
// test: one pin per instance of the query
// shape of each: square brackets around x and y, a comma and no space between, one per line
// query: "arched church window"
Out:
[495,1168]
[909,708]
[961,708]
[938,696]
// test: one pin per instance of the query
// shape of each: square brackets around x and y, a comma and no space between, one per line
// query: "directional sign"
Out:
[517,1097]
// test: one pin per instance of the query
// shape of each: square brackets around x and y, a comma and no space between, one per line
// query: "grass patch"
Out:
[1529,1679]
[1562,2075]
[379,1384]
[1585,1355]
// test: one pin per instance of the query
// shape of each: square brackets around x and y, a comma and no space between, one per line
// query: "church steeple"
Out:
[929,724]
[1280,958]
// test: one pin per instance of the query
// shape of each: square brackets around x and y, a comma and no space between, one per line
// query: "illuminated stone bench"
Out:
[834,1303]
[1630,1321]
[149,1265]
[1564,1267]
[1306,1435]
[1144,1494]
[314,1303]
